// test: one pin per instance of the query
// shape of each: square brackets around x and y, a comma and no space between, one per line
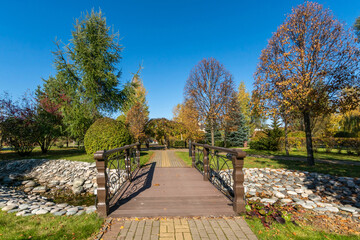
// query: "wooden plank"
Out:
[171,192]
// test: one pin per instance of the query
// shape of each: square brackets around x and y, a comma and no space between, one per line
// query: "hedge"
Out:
[352,145]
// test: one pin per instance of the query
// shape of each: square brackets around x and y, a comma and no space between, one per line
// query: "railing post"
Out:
[128,164]
[238,181]
[190,148]
[138,149]
[193,155]
[102,188]
[206,164]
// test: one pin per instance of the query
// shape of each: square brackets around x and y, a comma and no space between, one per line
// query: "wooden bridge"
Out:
[166,186]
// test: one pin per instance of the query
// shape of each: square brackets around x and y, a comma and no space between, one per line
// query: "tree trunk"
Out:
[309,148]
[43,147]
[286,137]
[212,133]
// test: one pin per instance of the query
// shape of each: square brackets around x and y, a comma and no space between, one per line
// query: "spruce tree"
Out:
[238,137]
[217,135]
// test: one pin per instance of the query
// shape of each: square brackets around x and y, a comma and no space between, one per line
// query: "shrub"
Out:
[270,140]
[297,134]
[105,134]
[179,143]
[20,134]
[345,135]
[219,144]
[352,145]
[18,125]
[259,144]
[294,142]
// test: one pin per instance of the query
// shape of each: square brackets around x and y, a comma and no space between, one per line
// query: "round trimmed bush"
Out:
[106,134]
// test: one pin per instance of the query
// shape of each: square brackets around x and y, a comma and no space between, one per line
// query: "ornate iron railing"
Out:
[223,168]
[220,172]
[199,157]
[116,167]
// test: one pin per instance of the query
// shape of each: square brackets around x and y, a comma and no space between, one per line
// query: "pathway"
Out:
[180,229]
[290,158]
[178,203]
[167,158]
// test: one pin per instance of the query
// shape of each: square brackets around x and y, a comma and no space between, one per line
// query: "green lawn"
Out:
[327,168]
[49,226]
[72,154]
[290,231]
[334,155]
[185,157]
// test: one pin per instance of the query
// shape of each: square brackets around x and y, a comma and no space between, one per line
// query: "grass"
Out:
[326,168]
[71,154]
[290,231]
[333,155]
[48,226]
[185,157]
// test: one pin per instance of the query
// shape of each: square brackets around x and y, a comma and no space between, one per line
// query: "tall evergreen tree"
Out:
[208,136]
[238,137]
[87,79]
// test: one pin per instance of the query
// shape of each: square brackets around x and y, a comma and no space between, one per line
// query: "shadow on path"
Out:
[141,182]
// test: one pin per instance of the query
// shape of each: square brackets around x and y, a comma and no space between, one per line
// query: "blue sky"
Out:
[169,37]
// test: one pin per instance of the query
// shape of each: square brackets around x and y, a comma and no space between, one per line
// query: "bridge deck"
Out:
[170,191]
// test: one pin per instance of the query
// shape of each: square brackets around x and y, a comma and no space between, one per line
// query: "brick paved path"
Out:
[180,229]
[167,158]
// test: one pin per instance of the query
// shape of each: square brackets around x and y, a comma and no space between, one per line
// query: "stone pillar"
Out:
[102,188]
[238,181]
[206,164]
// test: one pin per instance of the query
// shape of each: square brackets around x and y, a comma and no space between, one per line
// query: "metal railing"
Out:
[223,168]
[116,167]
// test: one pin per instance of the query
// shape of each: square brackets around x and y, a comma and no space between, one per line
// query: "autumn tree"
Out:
[187,114]
[310,66]
[245,105]
[351,122]
[162,129]
[136,119]
[136,110]
[48,120]
[138,93]
[210,86]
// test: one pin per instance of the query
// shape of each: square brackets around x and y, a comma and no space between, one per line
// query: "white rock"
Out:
[41,211]
[9,207]
[332,209]
[279,195]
